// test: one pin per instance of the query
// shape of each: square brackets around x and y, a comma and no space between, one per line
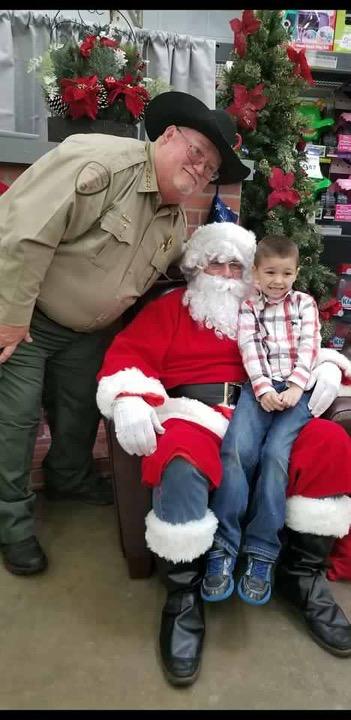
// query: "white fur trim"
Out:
[194,410]
[223,241]
[181,542]
[344,391]
[322,516]
[129,380]
[334,356]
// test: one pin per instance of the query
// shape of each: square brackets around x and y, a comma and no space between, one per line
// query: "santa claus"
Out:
[166,380]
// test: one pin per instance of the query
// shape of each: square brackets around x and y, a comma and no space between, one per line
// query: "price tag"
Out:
[312,167]
[319,150]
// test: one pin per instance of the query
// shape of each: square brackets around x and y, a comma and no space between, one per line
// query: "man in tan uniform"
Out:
[84,232]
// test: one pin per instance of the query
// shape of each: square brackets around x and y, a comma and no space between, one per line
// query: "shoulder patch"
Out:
[92,179]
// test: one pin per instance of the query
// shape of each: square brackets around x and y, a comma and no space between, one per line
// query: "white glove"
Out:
[325,391]
[135,425]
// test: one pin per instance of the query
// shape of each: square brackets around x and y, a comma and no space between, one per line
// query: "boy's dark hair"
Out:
[276,245]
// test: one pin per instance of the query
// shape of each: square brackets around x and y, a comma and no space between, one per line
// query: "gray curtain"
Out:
[22,36]
[187,63]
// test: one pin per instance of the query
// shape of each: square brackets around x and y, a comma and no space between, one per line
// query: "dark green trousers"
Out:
[58,371]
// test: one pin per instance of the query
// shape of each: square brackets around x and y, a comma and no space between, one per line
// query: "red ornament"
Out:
[246,103]
[135,96]
[283,192]
[329,309]
[248,25]
[302,67]
[80,94]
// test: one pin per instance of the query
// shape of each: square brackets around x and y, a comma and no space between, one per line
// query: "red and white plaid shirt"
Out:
[279,340]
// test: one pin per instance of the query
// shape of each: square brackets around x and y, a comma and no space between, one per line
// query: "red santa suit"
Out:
[164,347]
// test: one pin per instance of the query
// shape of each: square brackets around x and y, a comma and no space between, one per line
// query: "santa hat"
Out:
[221,241]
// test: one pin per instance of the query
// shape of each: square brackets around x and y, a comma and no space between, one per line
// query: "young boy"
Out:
[279,339]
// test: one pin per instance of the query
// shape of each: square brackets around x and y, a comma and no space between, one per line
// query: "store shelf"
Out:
[341,229]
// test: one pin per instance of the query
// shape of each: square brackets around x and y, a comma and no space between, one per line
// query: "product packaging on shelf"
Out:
[311,29]
[342,34]
[341,331]
[343,290]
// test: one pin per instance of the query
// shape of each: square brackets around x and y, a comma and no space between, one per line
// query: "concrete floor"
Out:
[84,636]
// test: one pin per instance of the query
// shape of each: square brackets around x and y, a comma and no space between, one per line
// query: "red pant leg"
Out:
[318,499]
[320,464]
[340,560]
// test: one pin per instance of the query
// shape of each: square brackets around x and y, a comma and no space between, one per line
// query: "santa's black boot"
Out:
[182,624]
[300,579]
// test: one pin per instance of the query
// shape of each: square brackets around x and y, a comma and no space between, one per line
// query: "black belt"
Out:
[209,393]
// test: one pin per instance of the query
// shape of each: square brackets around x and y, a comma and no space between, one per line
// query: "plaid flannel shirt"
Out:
[279,340]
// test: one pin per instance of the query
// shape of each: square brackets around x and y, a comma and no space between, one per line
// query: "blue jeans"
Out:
[182,495]
[255,455]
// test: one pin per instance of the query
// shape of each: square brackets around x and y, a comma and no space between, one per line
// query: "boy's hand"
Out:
[291,396]
[271,401]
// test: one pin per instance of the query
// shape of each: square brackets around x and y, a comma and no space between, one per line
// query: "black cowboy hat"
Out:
[179,108]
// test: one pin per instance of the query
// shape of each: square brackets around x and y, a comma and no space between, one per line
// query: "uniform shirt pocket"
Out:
[115,240]
[156,266]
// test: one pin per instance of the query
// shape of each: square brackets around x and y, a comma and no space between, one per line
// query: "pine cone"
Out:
[57,106]
[102,98]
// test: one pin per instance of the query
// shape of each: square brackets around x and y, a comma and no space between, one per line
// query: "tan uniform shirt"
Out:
[83,233]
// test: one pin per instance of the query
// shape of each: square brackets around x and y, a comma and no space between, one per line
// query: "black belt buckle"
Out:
[231,393]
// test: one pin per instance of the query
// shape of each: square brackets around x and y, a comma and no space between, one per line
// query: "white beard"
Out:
[214,301]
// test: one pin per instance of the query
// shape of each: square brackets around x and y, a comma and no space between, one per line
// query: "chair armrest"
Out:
[133,501]
[340,412]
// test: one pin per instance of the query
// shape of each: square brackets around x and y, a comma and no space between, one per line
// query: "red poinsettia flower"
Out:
[87,45]
[80,94]
[246,103]
[283,192]
[329,309]
[302,67]
[108,42]
[248,25]
[135,96]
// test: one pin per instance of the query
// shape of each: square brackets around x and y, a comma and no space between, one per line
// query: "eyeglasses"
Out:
[196,156]
[233,265]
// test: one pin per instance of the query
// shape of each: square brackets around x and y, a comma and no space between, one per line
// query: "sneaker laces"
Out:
[259,569]
[218,562]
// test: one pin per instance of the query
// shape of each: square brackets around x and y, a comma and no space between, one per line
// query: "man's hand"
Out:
[326,388]
[136,425]
[291,396]
[10,337]
[271,401]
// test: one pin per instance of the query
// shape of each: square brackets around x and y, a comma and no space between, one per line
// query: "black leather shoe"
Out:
[100,493]
[183,624]
[181,637]
[300,579]
[25,557]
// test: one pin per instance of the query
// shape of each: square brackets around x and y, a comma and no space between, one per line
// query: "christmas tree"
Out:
[262,89]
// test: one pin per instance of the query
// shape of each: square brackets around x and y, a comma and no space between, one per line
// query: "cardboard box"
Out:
[342,35]
[311,29]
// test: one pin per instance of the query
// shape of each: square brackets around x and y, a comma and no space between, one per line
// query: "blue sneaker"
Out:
[255,586]
[218,583]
